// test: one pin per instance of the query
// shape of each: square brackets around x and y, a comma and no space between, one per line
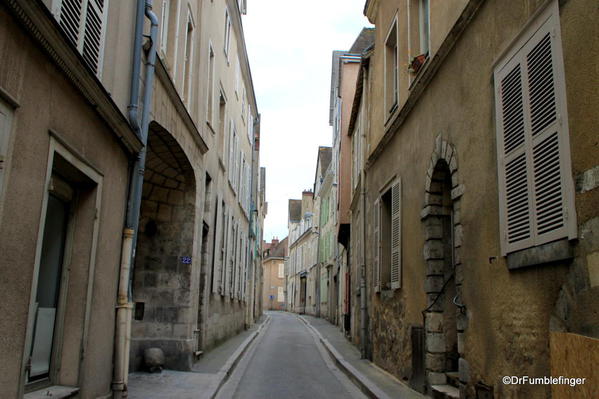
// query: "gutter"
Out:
[124,296]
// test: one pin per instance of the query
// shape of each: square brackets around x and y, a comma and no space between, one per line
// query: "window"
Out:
[164,26]
[281,270]
[250,125]
[280,294]
[227,40]
[237,78]
[84,23]
[222,122]
[391,71]
[424,25]
[5,127]
[387,239]
[210,95]
[187,66]
[232,152]
[536,194]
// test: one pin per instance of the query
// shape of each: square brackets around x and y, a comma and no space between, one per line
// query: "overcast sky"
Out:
[289,45]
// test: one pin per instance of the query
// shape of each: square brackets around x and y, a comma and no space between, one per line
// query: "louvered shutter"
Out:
[376,256]
[396,235]
[536,189]
[84,24]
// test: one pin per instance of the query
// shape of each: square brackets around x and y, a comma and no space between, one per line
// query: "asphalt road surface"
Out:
[287,361]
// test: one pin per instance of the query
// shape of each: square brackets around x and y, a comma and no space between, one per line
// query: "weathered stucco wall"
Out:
[508,312]
[43,95]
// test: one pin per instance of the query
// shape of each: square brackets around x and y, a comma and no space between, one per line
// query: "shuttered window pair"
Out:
[387,239]
[84,22]
[535,183]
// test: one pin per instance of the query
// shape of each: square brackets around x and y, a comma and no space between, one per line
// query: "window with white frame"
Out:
[188,61]
[387,238]
[536,193]
[210,95]
[391,70]
[164,15]
[227,37]
[84,23]
[424,16]
[280,294]
[281,270]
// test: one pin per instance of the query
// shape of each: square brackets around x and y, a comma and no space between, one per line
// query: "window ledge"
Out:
[55,392]
[547,253]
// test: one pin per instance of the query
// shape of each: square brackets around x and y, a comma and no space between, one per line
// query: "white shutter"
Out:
[535,185]
[231,150]
[396,235]
[70,19]
[93,34]
[377,246]
[84,23]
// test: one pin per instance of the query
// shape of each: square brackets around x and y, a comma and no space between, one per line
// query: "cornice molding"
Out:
[37,20]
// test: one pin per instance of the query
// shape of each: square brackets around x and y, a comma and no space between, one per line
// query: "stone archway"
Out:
[163,266]
[445,319]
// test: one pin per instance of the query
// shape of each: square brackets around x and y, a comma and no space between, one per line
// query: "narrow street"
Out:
[286,361]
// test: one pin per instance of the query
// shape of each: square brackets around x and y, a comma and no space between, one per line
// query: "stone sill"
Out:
[55,392]
[555,251]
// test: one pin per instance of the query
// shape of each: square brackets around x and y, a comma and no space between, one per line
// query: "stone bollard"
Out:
[154,359]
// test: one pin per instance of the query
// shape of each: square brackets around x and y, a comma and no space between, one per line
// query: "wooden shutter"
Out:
[84,24]
[377,246]
[93,33]
[535,184]
[396,235]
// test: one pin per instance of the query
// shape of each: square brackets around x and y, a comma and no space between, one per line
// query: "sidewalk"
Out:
[372,380]
[206,376]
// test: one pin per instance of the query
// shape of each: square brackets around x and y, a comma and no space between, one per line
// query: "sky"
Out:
[290,45]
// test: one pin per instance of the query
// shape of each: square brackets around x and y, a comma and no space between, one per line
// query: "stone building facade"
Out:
[273,266]
[70,133]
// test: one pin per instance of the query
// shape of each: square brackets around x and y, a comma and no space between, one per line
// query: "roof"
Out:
[363,41]
[325,155]
[279,250]
[295,210]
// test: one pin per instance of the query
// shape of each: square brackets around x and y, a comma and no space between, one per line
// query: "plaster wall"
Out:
[47,101]
[508,312]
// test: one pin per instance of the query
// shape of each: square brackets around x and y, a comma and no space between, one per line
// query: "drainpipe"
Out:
[124,296]
[363,299]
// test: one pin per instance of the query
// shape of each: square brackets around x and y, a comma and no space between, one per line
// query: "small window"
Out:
[391,71]
[424,16]
[164,14]
[227,38]
[387,234]
[536,193]
[281,270]
[210,95]
[188,62]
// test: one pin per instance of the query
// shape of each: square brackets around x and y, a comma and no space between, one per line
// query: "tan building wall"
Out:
[35,92]
[447,112]
[273,297]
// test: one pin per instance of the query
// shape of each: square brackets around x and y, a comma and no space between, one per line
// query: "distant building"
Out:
[273,269]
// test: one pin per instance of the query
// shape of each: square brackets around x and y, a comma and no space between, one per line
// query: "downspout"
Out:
[124,296]
[363,300]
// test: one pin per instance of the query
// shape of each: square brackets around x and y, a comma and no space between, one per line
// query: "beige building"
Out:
[84,85]
[273,267]
[473,122]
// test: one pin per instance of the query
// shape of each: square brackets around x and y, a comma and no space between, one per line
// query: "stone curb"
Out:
[361,381]
[227,369]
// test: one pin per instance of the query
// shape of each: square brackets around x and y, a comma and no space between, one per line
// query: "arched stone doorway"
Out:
[164,314]
[445,315]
